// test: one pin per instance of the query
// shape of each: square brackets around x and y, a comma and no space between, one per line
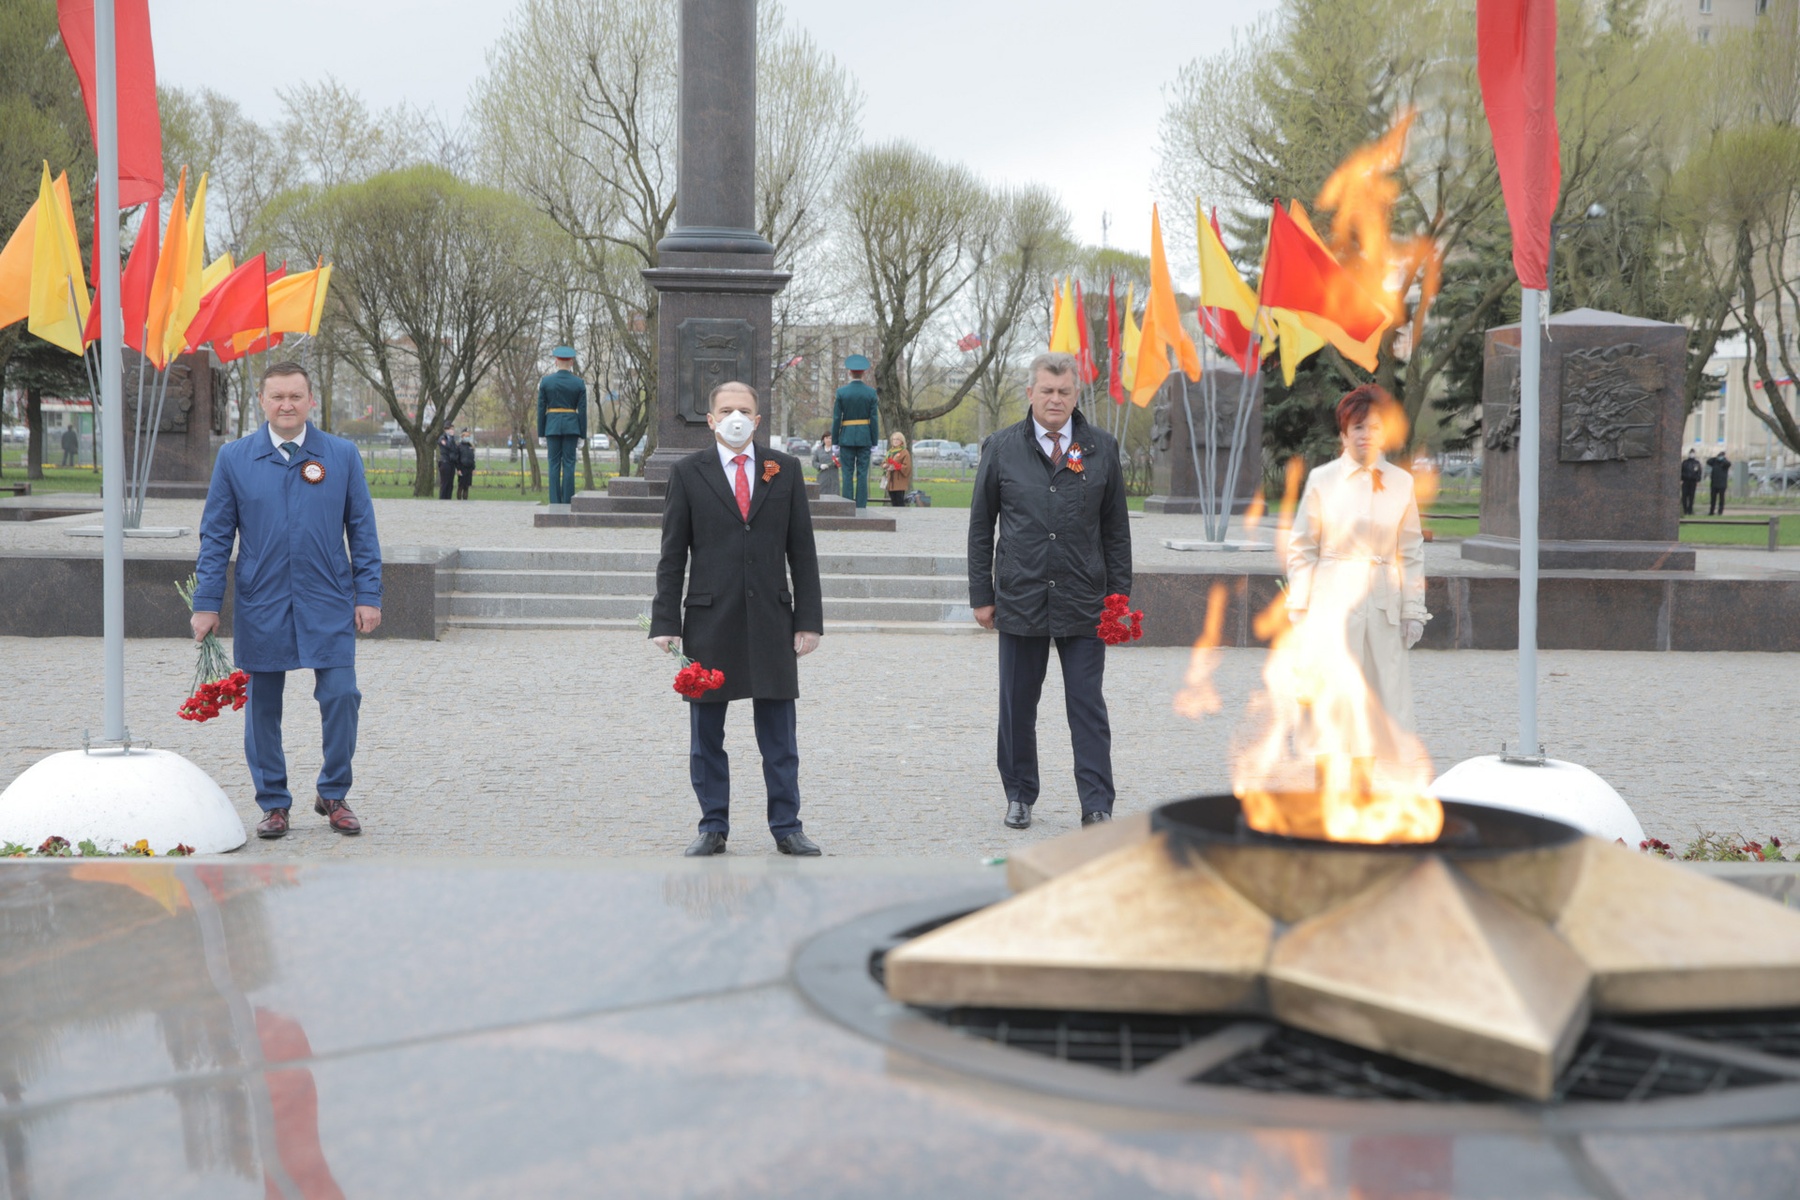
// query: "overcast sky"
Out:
[992,83]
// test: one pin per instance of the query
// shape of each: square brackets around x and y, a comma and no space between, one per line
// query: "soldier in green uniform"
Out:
[562,423]
[855,430]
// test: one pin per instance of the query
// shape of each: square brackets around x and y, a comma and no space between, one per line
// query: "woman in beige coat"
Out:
[1356,554]
[897,475]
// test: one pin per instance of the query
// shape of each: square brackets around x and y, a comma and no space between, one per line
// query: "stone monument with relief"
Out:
[1609,445]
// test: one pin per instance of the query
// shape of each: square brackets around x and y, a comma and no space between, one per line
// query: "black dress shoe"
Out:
[1095,818]
[704,845]
[1018,814]
[800,844]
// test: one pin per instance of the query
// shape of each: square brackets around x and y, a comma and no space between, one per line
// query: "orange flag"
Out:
[239,304]
[163,284]
[15,270]
[1162,331]
[291,302]
[1318,330]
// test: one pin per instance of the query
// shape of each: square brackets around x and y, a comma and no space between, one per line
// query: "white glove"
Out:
[1413,631]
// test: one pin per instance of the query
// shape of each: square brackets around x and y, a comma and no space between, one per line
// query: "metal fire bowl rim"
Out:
[1210,821]
[832,972]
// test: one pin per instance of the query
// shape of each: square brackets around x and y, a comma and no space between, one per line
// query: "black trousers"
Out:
[1687,496]
[1023,661]
[446,480]
[897,499]
[709,767]
[1716,506]
[464,477]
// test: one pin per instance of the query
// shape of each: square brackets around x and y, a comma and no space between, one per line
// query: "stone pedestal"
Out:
[182,465]
[1174,487]
[1611,412]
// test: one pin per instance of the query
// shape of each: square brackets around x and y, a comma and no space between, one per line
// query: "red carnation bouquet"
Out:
[1119,622]
[215,683]
[692,680]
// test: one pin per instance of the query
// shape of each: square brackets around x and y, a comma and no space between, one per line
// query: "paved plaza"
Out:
[571,743]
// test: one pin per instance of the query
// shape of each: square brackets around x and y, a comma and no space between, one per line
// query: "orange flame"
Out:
[1360,194]
[1319,757]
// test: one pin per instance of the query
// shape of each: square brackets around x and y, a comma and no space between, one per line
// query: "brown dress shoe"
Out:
[274,823]
[338,814]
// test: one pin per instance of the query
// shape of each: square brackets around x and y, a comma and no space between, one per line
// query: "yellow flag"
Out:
[59,298]
[188,288]
[165,283]
[1297,339]
[1065,336]
[319,290]
[291,302]
[1220,284]
[1162,329]
[1129,341]
[15,270]
[216,270]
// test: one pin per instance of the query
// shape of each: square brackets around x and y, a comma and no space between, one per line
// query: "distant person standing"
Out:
[447,459]
[562,423]
[1691,471]
[1720,467]
[71,445]
[896,477]
[465,464]
[855,428]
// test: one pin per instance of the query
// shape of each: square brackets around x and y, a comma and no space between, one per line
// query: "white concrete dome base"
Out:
[114,798]
[1560,790]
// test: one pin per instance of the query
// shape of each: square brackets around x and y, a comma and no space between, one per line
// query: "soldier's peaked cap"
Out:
[856,362]
[563,352]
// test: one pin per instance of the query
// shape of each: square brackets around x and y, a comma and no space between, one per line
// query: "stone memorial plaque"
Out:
[712,351]
[1611,398]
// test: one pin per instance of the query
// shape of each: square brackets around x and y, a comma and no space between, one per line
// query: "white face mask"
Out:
[734,429]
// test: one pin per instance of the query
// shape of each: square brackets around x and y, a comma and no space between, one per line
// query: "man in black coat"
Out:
[1719,468]
[737,527]
[448,458]
[1056,488]
[1691,471]
[465,464]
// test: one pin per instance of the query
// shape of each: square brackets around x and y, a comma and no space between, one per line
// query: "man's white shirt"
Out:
[1043,439]
[299,439]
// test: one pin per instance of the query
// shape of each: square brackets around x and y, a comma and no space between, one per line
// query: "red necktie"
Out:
[743,486]
[1055,448]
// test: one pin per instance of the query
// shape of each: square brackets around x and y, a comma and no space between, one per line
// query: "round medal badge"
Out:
[313,472]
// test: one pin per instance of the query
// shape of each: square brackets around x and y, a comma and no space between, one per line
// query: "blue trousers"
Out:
[1023,661]
[855,461]
[339,701]
[710,768]
[563,448]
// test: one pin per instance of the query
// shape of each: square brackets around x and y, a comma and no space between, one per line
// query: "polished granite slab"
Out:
[605,1028]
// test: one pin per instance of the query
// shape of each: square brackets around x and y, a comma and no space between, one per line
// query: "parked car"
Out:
[1775,476]
[934,447]
[18,434]
[799,447]
[600,442]
[972,452]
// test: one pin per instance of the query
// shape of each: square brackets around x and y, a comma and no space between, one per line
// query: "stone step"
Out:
[507,559]
[625,608]
[600,502]
[636,486]
[946,588]
[653,520]
[831,626]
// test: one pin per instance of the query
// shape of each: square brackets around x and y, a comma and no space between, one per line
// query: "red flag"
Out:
[1226,328]
[134,281]
[140,127]
[1300,274]
[1515,44]
[240,303]
[1085,356]
[968,342]
[234,348]
[1115,354]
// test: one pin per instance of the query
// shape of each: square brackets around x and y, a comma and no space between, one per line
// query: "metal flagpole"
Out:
[112,338]
[1530,356]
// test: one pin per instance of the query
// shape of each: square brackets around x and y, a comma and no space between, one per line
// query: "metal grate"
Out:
[1604,1068]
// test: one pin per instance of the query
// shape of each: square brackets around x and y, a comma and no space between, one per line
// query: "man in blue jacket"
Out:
[291,496]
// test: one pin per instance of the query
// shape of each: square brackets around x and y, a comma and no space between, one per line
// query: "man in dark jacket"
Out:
[448,458]
[1691,471]
[1720,468]
[1055,485]
[736,525]
[465,464]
